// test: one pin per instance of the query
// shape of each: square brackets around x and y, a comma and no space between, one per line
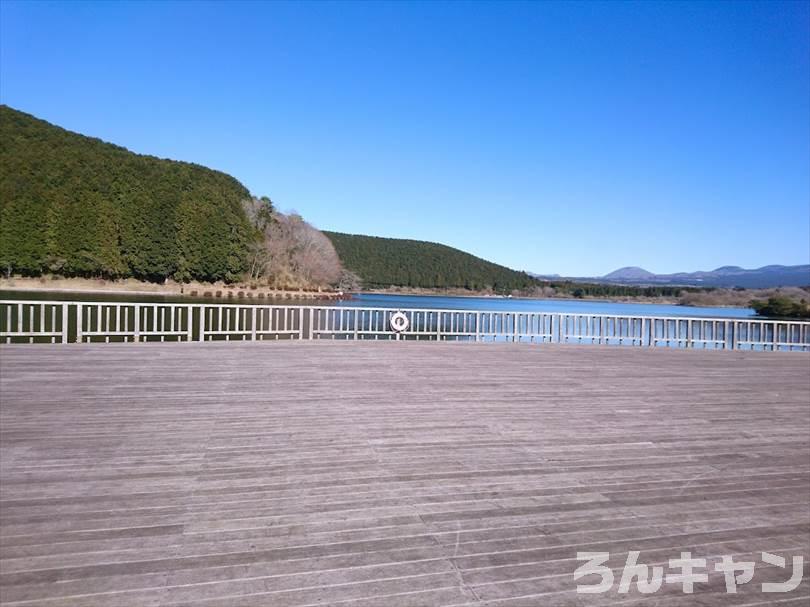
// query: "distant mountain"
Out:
[725,276]
[630,273]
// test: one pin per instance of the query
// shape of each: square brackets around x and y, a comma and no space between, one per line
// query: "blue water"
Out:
[500,304]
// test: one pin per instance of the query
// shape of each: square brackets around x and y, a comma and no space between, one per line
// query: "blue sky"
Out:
[567,138]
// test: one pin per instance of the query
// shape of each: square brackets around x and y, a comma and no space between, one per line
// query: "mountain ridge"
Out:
[773,275]
[405,262]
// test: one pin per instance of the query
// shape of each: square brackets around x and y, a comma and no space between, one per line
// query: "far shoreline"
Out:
[229,293]
[664,301]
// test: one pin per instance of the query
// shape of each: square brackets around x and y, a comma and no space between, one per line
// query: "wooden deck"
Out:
[393,474]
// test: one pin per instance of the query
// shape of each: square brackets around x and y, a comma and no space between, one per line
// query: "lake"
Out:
[574,306]
[435,302]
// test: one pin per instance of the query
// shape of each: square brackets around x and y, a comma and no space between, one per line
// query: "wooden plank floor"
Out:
[392,474]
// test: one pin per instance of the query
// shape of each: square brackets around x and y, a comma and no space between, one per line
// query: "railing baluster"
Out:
[204,322]
[79,322]
[136,337]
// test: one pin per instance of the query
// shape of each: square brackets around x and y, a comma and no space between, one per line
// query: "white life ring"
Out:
[399,322]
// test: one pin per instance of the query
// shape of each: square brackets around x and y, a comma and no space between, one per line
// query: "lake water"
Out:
[434,302]
[501,304]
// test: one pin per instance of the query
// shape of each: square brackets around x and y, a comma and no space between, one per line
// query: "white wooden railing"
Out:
[37,321]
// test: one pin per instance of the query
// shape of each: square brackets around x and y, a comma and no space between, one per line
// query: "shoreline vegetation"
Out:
[776,302]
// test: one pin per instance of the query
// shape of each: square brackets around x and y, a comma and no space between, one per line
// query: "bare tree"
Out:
[312,257]
[290,252]
[257,259]
[349,281]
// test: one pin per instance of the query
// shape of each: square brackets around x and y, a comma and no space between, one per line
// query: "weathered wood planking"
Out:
[391,474]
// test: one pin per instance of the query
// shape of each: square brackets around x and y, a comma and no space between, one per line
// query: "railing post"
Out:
[253,323]
[650,332]
[79,323]
[478,326]
[65,322]
[312,323]
[189,322]
[201,336]
[300,323]
[137,335]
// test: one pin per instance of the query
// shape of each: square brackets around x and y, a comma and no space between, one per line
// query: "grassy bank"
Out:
[54,284]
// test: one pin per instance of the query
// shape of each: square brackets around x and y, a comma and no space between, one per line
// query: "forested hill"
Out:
[383,262]
[77,206]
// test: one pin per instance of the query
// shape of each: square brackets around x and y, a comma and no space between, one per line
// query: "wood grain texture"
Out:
[392,474]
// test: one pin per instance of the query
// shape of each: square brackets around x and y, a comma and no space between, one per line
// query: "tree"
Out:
[287,250]
[77,206]
[782,307]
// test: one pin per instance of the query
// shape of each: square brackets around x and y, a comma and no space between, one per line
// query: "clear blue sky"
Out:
[567,138]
